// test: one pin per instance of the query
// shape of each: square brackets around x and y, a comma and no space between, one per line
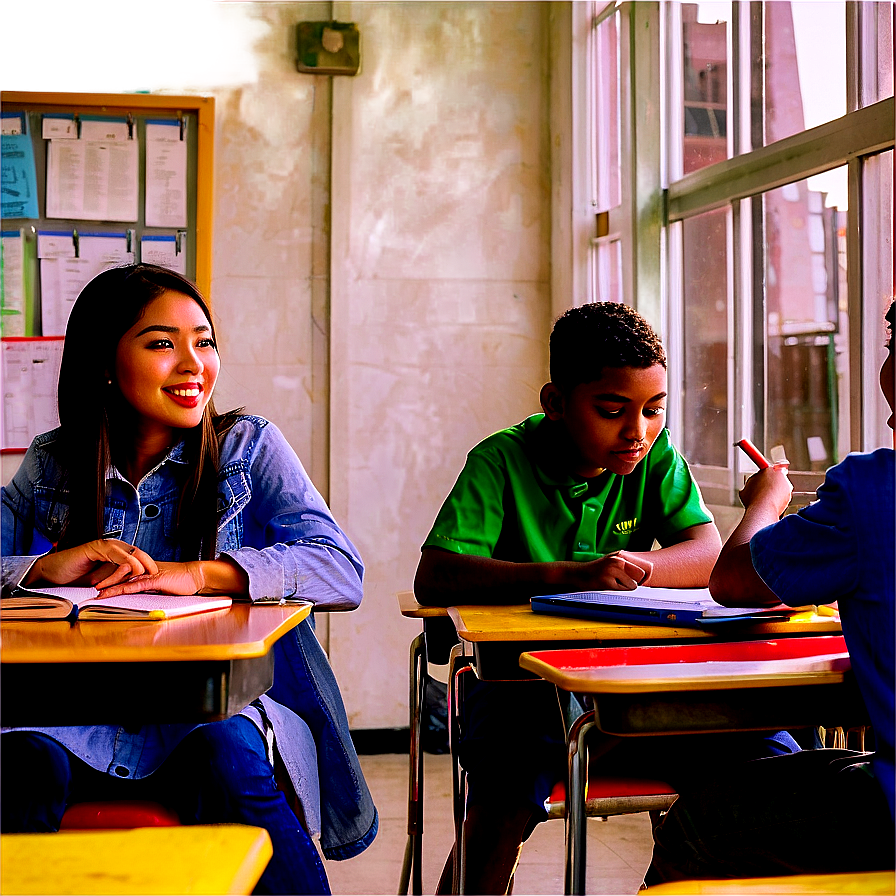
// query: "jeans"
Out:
[219,773]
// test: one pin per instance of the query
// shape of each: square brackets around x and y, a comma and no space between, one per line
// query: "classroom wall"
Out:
[382,246]
[440,288]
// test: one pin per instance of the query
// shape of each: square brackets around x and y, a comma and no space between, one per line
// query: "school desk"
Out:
[226,858]
[196,668]
[499,634]
[767,685]
[864,883]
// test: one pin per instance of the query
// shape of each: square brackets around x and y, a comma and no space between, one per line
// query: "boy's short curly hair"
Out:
[591,337]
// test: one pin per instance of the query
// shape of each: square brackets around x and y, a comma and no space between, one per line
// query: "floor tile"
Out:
[618,849]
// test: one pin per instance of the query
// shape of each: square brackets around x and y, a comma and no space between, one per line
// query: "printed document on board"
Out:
[94,177]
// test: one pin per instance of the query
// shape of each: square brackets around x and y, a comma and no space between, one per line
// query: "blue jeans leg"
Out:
[220,773]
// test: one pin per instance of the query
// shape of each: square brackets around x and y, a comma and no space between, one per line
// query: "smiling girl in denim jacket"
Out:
[144,487]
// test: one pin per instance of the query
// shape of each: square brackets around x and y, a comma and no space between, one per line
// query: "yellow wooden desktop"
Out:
[177,860]
[195,668]
[867,883]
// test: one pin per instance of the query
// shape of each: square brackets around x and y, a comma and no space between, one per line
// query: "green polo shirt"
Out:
[508,505]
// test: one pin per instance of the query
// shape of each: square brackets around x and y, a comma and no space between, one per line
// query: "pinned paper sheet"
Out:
[166,174]
[68,262]
[95,176]
[18,176]
[12,284]
[167,250]
[12,124]
[30,369]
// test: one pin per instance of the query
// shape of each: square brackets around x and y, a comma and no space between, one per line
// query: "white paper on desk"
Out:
[94,178]
[162,250]
[30,372]
[62,276]
[12,284]
[166,175]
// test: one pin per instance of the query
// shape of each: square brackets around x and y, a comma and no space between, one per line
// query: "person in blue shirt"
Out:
[820,811]
[145,487]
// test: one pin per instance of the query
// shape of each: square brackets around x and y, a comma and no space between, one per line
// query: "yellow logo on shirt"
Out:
[626,527]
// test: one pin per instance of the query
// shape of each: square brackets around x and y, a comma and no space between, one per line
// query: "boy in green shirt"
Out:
[569,500]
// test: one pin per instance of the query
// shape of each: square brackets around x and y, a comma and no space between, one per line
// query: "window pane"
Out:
[704,35]
[804,65]
[606,114]
[705,328]
[806,322]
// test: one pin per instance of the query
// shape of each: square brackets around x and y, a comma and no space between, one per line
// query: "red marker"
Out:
[753,453]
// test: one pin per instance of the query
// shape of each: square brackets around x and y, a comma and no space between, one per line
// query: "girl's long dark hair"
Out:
[98,425]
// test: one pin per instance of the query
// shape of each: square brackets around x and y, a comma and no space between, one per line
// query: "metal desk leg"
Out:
[458,665]
[413,853]
[576,790]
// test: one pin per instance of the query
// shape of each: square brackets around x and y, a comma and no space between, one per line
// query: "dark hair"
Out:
[591,337]
[98,424]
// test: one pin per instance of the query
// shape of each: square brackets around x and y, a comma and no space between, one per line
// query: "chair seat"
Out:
[102,815]
[615,795]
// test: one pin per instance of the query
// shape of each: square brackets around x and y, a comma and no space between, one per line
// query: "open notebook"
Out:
[69,602]
[656,606]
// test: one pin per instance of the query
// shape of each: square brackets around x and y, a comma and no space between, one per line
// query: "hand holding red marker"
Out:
[766,488]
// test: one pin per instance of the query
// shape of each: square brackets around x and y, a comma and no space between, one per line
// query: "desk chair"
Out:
[606,794]
[117,815]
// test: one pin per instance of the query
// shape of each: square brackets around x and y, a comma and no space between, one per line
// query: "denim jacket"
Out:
[277,527]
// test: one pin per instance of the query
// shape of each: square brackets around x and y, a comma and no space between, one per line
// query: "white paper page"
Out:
[12,291]
[63,278]
[95,180]
[77,595]
[65,178]
[166,175]
[30,372]
[162,250]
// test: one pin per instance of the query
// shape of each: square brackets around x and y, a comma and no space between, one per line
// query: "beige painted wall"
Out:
[440,289]
[385,352]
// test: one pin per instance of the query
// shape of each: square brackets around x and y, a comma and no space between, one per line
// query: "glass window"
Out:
[705,331]
[704,71]
[805,278]
[804,66]
[761,236]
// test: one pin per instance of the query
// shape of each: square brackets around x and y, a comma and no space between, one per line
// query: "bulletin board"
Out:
[90,181]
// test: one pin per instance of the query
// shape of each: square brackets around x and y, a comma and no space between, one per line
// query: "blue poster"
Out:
[18,177]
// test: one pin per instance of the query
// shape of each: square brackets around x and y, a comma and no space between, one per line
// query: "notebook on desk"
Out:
[656,606]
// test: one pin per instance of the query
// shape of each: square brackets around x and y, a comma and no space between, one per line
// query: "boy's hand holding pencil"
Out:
[771,484]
